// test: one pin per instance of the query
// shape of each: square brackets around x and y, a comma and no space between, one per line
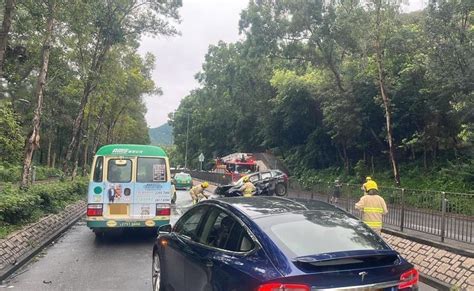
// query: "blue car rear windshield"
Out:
[316,232]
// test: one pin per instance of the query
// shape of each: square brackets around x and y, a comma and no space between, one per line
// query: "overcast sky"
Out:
[179,58]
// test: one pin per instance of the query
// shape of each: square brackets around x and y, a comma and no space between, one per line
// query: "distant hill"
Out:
[161,135]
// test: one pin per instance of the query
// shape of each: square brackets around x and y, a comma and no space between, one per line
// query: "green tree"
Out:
[113,23]
[11,136]
[33,138]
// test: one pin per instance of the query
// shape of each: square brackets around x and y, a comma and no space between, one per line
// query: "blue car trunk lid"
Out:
[349,269]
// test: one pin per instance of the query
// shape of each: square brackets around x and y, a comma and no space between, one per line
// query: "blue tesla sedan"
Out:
[273,244]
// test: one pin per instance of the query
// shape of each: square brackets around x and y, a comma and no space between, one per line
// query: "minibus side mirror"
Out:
[164,228]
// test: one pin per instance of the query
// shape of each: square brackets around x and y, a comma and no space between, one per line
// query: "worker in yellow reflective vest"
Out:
[373,207]
[197,192]
[248,188]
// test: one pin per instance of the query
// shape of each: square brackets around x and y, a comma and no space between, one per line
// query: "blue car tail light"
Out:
[408,279]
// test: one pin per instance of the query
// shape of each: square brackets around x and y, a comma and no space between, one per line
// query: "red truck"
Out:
[236,165]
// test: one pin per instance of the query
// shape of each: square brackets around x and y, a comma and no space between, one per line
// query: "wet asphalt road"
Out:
[79,261]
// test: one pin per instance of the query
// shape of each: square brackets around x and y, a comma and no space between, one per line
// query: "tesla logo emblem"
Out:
[363,274]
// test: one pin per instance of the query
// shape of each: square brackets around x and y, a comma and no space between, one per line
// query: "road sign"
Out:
[201,157]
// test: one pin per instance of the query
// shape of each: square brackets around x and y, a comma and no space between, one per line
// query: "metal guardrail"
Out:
[444,214]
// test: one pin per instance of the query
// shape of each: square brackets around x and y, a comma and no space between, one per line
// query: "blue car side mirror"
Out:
[164,228]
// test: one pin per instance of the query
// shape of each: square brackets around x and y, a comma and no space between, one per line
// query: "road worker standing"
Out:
[373,207]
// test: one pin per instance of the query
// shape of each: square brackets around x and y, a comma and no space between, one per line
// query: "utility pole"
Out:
[186,153]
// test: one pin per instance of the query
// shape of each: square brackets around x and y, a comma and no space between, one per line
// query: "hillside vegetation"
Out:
[340,88]
[161,135]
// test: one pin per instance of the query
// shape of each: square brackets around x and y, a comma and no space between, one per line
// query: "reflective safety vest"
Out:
[196,190]
[248,189]
[373,207]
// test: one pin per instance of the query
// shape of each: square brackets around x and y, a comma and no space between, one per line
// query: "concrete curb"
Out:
[433,282]
[24,259]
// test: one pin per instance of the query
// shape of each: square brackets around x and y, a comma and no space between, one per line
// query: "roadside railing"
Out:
[444,214]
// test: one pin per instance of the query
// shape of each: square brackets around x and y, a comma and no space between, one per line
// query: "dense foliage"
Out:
[11,139]
[12,173]
[18,207]
[314,81]
[84,85]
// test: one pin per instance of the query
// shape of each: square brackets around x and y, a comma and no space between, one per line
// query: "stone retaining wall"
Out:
[443,265]
[29,238]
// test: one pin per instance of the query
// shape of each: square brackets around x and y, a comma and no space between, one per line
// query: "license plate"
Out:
[118,209]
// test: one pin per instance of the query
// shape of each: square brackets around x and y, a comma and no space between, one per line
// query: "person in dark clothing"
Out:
[336,193]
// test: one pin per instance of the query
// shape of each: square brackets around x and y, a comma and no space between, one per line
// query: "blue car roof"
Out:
[255,207]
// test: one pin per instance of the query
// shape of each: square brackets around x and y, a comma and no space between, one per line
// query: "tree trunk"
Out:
[108,134]
[111,127]
[100,122]
[77,126]
[84,160]
[346,159]
[341,156]
[59,146]
[32,141]
[385,97]
[91,83]
[41,160]
[53,161]
[86,145]
[425,163]
[76,162]
[76,156]
[49,152]
[6,24]
[330,63]
[434,154]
